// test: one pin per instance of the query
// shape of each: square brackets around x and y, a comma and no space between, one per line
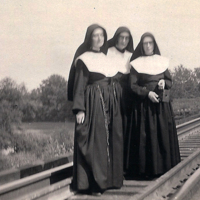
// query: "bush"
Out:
[186,106]
[9,114]
[30,142]
[16,160]
[35,142]
[44,146]
[6,140]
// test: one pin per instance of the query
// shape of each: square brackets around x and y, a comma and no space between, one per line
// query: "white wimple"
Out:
[97,62]
[118,60]
[151,65]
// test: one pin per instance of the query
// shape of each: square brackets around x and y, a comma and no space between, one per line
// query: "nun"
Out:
[120,49]
[96,95]
[153,142]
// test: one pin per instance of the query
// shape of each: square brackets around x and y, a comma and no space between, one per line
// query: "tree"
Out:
[32,106]
[10,113]
[197,75]
[184,83]
[10,91]
[53,96]
[10,103]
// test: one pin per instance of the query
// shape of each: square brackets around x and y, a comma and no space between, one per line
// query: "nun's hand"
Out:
[153,97]
[80,117]
[161,84]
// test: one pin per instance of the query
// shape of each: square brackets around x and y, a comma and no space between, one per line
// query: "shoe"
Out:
[96,193]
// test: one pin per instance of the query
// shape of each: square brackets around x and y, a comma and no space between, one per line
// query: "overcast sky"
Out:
[39,37]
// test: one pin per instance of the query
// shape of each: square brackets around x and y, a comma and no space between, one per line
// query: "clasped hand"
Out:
[152,95]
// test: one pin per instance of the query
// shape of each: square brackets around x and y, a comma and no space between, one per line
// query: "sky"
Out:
[38,38]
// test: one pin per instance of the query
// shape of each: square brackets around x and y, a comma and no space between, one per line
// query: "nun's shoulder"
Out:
[155,58]
[84,56]
[128,53]
[137,61]
[153,65]
[90,56]
[161,59]
[111,51]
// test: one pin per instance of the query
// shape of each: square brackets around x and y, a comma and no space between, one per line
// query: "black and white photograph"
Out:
[99,100]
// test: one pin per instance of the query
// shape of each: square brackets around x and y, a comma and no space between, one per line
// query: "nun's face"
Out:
[148,45]
[97,38]
[123,40]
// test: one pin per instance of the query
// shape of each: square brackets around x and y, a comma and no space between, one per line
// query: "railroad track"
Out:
[180,183]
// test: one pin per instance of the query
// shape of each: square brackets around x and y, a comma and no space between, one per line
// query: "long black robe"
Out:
[153,143]
[98,144]
[121,61]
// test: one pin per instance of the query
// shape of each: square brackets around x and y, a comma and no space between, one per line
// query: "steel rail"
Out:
[38,185]
[167,185]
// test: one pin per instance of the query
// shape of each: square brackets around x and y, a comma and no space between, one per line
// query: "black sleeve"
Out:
[168,79]
[80,83]
[134,78]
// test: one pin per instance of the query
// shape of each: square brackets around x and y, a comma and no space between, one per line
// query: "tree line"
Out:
[186,82]
[49,101]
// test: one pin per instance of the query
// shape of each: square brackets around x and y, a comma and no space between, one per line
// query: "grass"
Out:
[186,109]
[17,160]
[186,105]
[39,141]
[47,127]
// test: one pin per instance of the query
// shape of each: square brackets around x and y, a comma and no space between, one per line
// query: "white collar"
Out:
[97,62]
[151,65]
[120,61]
